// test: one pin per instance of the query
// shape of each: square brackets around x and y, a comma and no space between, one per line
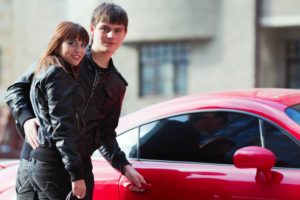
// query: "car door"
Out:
[190,157]
[205,181]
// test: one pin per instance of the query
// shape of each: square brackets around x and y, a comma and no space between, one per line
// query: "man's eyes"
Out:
[118,30]
[107,29]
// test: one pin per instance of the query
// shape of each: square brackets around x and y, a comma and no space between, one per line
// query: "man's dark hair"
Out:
[110,13]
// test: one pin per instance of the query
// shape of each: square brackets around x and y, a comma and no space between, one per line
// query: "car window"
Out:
[287,150]
[294,113]
[128,142]
[168,139]
[199,137]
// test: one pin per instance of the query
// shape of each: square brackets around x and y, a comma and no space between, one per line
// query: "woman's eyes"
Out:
[76,44]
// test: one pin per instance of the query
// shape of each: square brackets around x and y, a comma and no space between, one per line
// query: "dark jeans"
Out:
[24,190]
[52,181]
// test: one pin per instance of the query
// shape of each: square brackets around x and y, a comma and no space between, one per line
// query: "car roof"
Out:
[287,97]
[257,100]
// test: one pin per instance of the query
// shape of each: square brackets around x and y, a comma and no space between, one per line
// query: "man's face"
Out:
[107,38]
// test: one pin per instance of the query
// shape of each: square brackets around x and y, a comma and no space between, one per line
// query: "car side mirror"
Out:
[256,157]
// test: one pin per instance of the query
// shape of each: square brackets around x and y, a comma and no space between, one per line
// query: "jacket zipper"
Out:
[92,92]
[77,120]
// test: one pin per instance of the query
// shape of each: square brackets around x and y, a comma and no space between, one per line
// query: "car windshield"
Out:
[294,113]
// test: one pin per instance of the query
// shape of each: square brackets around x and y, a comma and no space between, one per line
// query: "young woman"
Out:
[57,101]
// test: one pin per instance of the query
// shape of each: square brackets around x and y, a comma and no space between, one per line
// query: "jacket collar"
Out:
[93,64]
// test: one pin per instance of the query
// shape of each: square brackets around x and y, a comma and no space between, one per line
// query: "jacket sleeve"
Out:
[60,93]
[109,147]
[17,98]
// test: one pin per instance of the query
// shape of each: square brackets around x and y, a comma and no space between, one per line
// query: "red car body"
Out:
[253,171]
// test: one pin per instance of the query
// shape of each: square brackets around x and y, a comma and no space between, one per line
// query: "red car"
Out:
[242,144]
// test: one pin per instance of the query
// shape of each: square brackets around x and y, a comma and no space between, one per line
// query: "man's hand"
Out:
[79,188]
[134,176]
[30,129]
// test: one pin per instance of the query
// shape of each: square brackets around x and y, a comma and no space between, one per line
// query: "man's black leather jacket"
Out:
[104,93]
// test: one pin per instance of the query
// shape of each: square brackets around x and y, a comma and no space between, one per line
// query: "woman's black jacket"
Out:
[57,102]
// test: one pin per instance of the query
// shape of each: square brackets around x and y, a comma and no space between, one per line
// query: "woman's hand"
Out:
[79,188]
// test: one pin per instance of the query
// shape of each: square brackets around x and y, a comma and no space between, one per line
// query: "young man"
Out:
[104,89]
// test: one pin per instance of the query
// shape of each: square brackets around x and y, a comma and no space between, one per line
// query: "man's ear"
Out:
[92,28]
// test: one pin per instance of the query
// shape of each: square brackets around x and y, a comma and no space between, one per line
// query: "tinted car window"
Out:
[198,137]
[128,142]
[168,139]
[287,151]
[294,113]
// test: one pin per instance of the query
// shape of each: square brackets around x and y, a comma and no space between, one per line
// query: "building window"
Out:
[293,64]
[163,69]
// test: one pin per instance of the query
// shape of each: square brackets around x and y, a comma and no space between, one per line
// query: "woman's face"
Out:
[72,51]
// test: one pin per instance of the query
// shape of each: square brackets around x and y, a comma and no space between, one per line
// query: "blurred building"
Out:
[278,44]
[173,47]
[10,140]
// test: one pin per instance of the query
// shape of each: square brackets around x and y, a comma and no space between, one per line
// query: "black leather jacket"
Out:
[57,101]
[104,93]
